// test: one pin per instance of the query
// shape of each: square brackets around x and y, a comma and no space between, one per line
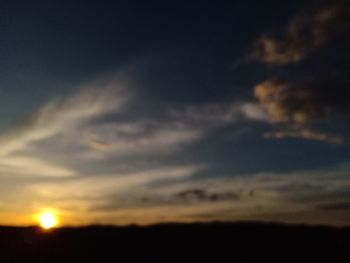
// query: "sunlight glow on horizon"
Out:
[48,219]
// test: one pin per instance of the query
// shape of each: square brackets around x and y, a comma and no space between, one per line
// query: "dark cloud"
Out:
[339,206]
[204,195]
[114,202]
[306,32]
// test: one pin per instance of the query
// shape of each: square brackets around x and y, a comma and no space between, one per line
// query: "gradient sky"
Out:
[119,112]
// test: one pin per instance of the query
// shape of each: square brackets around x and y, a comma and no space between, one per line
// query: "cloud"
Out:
[254,111]
[86,192]
[300,104]
[141,137]
[107,184]
[297,186]
[168,193]
[287,104]
[60,117]
[92,125]
[306,32]
[248,197]
[219,114]
[306,134]
[297,105]
[204,195]
[31,167]
[64,114]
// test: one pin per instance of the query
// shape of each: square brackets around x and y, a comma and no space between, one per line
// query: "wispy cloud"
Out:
[141,137]
[63,114]
[307,134]
[61,117]
[31,167]
[218,114]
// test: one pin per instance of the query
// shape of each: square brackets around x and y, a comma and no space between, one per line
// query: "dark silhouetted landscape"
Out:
[214,242]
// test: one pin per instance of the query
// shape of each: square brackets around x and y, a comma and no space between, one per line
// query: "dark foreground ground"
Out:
[246,242]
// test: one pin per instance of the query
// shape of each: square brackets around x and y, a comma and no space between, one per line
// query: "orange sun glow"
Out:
[48,219]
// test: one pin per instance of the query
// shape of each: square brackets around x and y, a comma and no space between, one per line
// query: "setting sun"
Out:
[48,220]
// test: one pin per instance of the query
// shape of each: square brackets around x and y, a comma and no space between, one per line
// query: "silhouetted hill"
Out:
[216,242]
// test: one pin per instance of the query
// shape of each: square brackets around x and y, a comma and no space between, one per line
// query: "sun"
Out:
[48,219]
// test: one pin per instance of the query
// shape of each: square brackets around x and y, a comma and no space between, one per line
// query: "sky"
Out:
[143,112]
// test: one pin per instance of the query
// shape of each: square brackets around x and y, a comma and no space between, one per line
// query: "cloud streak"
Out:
[63,114]
[220,114]
[307,134]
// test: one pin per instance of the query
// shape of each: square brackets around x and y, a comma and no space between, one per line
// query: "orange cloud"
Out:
[296,107]
[285,104]
[305,33]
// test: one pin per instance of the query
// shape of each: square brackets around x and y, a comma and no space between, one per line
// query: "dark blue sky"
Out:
[49,46]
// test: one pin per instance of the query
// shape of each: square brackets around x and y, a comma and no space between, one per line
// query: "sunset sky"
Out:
[120,112]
